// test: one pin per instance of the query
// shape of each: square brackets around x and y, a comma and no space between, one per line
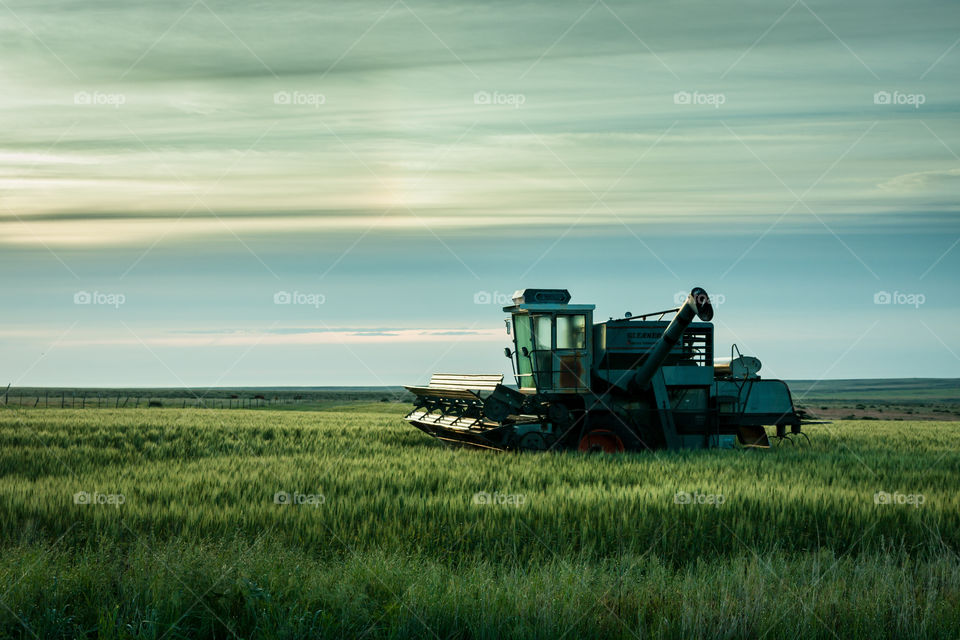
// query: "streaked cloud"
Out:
[942,179]
[267,338]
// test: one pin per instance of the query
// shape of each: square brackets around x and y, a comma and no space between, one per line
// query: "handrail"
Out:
[655,313]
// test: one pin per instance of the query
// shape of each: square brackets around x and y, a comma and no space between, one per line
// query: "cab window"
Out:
[542,332]
[543,350]
[521,325]
[571,332]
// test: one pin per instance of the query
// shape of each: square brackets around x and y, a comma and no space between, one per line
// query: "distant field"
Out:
[895,390]
[307,398]
[893,399]
[381,532]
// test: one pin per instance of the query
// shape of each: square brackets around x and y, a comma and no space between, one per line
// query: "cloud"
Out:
[932,180]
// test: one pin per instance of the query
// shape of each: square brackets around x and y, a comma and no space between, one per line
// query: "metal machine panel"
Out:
[625,344]
[688,376]
[755,401]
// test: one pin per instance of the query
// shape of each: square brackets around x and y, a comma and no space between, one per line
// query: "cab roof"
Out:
[546,300]
[551,308]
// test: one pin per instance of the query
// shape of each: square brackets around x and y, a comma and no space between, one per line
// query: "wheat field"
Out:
[346,522]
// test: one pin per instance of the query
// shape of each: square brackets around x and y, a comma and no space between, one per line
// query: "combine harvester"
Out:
[630,384]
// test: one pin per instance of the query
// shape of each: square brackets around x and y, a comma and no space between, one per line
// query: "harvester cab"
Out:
[634,383]
[552,352]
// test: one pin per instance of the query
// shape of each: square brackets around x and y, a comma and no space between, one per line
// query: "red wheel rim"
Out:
[601,440]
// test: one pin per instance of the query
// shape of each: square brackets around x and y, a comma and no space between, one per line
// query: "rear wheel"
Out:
[601,441]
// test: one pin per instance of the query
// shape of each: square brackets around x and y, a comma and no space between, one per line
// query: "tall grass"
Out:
[395,543]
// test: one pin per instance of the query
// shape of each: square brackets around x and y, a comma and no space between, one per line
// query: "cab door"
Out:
[542,355]
[571,365]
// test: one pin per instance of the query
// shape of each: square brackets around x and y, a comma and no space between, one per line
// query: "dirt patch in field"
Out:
[865,411]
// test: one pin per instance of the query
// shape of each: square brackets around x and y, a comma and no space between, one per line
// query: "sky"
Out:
[207,193]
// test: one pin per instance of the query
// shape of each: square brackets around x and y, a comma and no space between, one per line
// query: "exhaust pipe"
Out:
[698,305]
